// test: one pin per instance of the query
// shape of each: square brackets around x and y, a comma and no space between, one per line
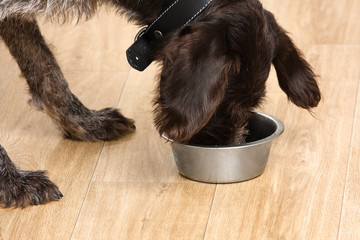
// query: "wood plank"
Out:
[7,70]
[99,44]
[137,192]
[5,79]
[351,209]
[300,194]
[145,211]
[34,142]
[318,22]
[6,61]
[143,156]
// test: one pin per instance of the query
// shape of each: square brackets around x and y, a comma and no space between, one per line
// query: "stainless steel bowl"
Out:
[229,164]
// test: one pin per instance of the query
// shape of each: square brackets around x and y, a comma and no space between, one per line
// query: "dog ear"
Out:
[192,81]
[294,73]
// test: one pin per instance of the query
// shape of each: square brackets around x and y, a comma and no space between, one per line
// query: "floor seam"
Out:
[357,99]
[96,165]
[87,191]
[211,209]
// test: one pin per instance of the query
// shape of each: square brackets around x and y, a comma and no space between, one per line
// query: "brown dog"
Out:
[213,75]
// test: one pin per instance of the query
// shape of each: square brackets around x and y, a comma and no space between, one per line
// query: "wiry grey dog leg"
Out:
[50,91]
[24,188]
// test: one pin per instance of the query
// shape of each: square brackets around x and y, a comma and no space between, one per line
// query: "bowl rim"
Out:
[279,130]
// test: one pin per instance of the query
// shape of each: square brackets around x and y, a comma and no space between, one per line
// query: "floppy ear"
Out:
[192,81]
[294,73]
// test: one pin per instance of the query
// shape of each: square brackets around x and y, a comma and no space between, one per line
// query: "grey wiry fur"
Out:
[51,8]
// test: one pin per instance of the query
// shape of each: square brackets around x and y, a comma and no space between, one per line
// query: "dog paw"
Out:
[105,124]
[27,189]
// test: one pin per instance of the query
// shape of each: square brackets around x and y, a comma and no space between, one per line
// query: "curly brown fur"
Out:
[213,76]
[214,72]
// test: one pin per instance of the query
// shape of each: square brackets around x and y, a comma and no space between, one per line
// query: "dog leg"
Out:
[24,188]
[50,91]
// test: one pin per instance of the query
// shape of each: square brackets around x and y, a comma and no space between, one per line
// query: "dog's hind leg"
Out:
[24,188]
[50,91]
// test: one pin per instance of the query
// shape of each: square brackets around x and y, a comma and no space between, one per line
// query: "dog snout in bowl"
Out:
[230,164]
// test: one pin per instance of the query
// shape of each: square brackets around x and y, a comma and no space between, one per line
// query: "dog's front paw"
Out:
[106,124]
[26,189]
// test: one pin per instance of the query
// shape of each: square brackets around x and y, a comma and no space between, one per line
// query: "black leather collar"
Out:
[180,13]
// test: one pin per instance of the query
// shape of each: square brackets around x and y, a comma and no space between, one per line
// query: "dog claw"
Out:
[36,200]
[60,194]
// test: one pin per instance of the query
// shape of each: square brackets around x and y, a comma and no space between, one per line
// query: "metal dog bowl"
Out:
[229,164]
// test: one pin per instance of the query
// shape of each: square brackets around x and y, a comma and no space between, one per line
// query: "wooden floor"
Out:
[130,189]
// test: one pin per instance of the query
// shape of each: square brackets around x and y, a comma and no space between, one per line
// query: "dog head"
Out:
[215,69]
